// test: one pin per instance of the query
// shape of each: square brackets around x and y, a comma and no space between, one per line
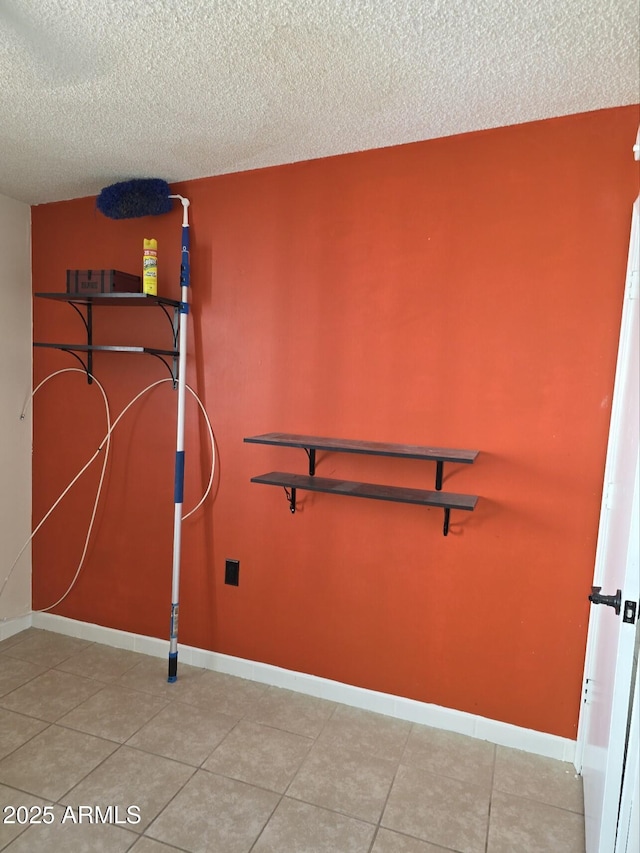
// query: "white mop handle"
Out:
[180,456]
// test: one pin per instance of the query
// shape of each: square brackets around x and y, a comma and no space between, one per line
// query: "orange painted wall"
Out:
[462,292]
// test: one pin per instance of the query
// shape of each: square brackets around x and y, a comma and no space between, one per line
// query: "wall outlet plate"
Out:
[232,572]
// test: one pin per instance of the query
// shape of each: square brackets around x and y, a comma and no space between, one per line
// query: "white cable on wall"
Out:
[105,441]
[73,481]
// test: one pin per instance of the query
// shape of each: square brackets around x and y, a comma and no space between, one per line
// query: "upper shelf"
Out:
[311,443]
[375,448]
[129,299]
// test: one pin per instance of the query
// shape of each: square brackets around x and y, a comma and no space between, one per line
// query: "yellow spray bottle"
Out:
[150,267]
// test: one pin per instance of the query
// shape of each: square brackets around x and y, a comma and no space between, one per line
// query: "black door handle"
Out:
[614,601]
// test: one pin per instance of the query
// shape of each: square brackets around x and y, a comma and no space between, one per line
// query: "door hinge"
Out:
[609,495]
[634,284]
[586,693]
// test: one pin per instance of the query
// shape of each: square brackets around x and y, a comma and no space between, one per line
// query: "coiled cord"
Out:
[105,443]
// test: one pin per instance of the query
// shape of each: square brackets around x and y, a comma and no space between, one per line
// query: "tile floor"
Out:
[218,764]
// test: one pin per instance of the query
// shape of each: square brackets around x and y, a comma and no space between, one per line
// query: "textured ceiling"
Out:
[96,91]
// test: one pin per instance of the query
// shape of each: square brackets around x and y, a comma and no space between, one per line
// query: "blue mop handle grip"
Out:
[185,267]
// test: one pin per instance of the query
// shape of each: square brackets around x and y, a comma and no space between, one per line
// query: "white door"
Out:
[609,666]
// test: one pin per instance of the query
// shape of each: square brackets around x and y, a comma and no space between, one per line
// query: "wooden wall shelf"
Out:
[310,444]
[83,304]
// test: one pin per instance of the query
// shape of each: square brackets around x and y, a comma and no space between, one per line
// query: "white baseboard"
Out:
[10,627]
[503,734]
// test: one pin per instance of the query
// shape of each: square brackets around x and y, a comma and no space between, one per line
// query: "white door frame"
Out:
[624,662]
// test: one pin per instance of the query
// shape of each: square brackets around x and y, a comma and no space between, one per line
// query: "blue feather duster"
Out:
[135,198]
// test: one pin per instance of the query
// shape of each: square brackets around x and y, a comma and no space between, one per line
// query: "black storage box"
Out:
[102,281]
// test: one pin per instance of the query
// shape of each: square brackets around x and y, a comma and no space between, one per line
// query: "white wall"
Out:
[15,387]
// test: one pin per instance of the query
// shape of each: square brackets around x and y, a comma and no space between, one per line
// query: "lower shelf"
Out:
[101,348]
[399,494]
[89,349]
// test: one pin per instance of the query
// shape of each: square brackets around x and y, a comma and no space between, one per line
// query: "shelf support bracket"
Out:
[173,322]
[88,325]
[311,453]
[173,373]
[291,497]
[86,366]
[447,510]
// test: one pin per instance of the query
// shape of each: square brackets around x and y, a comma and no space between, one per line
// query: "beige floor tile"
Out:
[344,781]
[132,778]
[51,695]
[364,731]
[543,779]
[301,828]
[10,828]
[53,762]
[15,672]
[46,648]
[392,842]
[519,824]
[223,693]
[101,662]
[212,813]
[260,755]
[66,833]
[450,754]
[292,712]
[444,811]
[16,729]
[114,713]
[184,732]
[150,676]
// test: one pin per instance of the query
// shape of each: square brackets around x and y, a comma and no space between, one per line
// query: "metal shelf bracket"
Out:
[311,453]
[291,497]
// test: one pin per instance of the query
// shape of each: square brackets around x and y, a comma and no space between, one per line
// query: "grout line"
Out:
[266,823]
[46,800]
[386,800]
[166,843]
[166,806]
[348,815]
[539,802]
[59,801]
[218,745]
[374,838]
[42,731]
[493,776]
[393,781]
